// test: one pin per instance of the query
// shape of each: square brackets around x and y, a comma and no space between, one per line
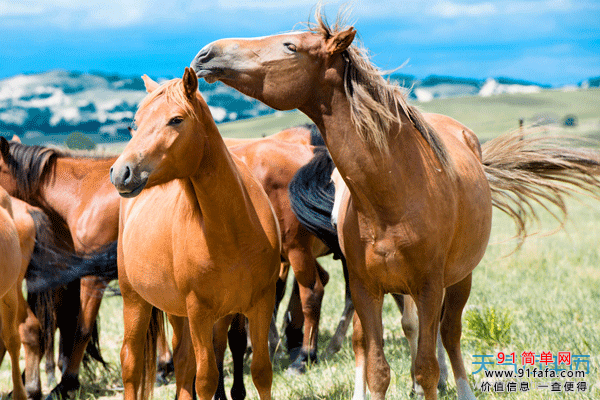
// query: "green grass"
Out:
[543,297]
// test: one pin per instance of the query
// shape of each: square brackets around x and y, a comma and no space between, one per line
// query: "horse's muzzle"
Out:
[127,183]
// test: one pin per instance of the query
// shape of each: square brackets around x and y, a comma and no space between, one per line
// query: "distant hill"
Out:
[46,107]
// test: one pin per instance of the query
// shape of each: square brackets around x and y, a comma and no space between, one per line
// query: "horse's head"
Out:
[281,70]
[7,179]
[168,142]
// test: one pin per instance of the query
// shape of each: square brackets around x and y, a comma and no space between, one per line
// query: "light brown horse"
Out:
[13,262]
[198,238]
[418,217]
[77,196]
[274,160]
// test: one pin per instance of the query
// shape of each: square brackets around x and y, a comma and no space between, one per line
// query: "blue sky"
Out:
[553,42]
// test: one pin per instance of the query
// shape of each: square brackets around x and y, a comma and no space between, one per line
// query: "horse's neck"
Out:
[61,193]
[219,189]
[381,182]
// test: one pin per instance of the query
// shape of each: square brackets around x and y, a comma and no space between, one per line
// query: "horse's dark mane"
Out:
[29,165]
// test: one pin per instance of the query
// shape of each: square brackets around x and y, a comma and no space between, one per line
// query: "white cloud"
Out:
[448,9]
[14,9]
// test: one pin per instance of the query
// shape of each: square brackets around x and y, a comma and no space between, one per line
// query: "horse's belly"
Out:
[157,287]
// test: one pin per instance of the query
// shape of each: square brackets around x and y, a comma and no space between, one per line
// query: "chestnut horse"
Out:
[13,263]
[198,237]
[77,196]
[418,217]
[274,161]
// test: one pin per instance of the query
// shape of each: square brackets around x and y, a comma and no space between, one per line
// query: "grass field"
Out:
[543,297]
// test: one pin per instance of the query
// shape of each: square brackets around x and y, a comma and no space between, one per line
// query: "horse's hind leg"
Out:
[259,319]
[335,344]
[456,298]
[293,322]
[10,336]
[165,359]
[311,295]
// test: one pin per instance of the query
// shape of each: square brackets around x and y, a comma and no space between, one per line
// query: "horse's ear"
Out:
[4,147]
[149,83]
[340,41]
[190,83]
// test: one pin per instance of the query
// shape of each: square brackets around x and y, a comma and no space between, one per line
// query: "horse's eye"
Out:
[291,47]
[175,121]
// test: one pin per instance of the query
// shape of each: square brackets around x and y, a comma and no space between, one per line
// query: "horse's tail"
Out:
[315,135]
[52,267]
[155,330]
[525,169]
[312,195]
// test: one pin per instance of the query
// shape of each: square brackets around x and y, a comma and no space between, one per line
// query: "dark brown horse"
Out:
[418,217]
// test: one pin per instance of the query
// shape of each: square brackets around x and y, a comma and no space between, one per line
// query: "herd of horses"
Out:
[204,229]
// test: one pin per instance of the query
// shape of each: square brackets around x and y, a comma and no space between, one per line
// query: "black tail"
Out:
[311,196]
[315,135]
[52,267]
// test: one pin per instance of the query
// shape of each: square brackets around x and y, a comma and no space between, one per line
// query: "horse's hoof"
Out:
[238,393]
[161,380]
[37,395]
[298,367]
[296,370]
[67,384]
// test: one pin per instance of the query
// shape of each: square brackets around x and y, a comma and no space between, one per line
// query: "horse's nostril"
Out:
[205,54]
[127,175]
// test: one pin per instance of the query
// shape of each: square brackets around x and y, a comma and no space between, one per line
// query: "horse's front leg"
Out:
[259,320]
[30,332]
[456,298]
[9,324]
[429,305]
[220,345]
[183,358]
[368,343]
[201,331]
[136,317]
